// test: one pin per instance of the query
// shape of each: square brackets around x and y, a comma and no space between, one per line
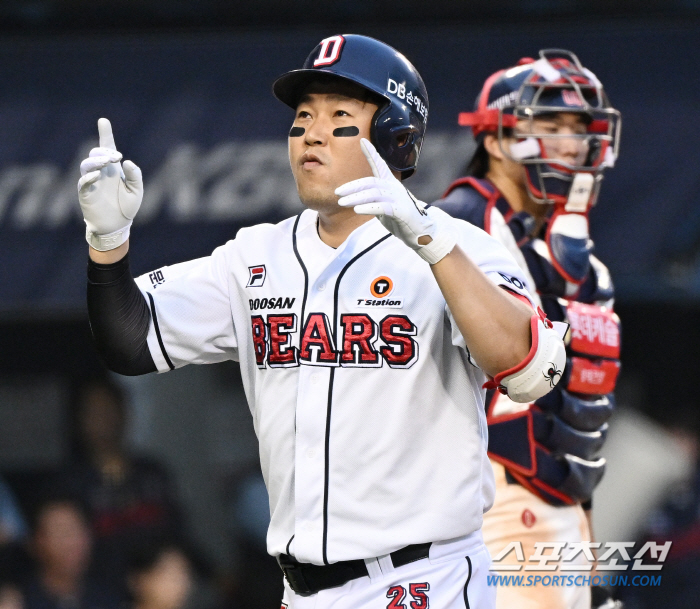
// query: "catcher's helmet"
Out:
[556,82]
[399,125]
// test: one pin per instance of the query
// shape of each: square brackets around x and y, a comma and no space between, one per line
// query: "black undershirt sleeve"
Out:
[119,318]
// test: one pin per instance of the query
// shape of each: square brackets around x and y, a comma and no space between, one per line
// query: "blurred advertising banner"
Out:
[196,113]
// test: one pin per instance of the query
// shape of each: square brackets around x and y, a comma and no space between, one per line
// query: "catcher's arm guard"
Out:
[543,367]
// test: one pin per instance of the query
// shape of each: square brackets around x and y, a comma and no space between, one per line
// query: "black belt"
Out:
[305,578]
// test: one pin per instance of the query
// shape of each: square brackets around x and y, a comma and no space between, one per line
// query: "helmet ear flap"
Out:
[404,136]
[373,125]
[400,141]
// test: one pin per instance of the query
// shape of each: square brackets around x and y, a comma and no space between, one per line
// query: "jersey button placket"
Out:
[312,407]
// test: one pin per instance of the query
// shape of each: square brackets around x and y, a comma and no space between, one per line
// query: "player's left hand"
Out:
[397,209]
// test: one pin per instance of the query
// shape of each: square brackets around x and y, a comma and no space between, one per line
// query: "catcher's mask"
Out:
[512,99]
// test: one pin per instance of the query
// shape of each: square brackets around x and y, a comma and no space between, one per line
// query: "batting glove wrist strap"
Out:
[104,243]
[443,235]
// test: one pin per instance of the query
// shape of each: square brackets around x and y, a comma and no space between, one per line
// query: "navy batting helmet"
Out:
[556,82]
[399,125]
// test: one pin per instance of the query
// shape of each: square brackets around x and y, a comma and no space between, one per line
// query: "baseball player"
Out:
[545,133]
[365,328]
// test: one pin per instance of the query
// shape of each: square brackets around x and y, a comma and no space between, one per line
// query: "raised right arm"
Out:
[119,314]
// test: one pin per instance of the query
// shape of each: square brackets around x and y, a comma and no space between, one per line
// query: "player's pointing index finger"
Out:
[104,127]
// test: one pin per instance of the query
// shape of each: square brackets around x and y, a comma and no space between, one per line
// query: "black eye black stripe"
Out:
[346,132]
[297,131]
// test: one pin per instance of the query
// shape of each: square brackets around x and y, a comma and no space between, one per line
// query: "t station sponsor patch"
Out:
[381,288]
[392,303]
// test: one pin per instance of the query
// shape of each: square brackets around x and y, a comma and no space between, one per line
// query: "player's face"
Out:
[562,133]
[322,157]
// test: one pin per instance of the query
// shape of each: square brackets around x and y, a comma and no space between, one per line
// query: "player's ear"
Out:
[492,146]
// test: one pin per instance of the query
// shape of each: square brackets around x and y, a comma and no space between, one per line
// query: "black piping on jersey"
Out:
[330,396]
[466,585]
[303,268]
[157,328]
[325,469]
[289,543]
[306,291]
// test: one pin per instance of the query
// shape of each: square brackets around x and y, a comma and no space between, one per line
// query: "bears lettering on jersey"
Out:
[259,339]
[359,332]
[317,348]
[397,332]
[282,353]
[273,337]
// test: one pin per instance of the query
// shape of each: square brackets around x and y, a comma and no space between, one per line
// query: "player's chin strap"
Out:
[543,367]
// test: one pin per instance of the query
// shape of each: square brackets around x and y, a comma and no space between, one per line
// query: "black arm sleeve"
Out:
[119,318]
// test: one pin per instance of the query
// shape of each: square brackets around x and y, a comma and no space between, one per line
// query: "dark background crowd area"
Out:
[105,529]
[146,492]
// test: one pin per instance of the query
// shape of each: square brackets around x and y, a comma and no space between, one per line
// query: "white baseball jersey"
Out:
[367,407]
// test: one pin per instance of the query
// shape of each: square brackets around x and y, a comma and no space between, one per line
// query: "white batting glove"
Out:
[109,195]
[395,207]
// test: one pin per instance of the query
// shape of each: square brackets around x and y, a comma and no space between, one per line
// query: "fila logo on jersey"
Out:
[330,51]
[359,348]
[257,276]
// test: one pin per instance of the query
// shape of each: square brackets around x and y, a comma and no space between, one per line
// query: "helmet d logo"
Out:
[330,51]
[381,287]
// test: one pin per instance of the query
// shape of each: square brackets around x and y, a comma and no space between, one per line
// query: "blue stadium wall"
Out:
[196,112]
